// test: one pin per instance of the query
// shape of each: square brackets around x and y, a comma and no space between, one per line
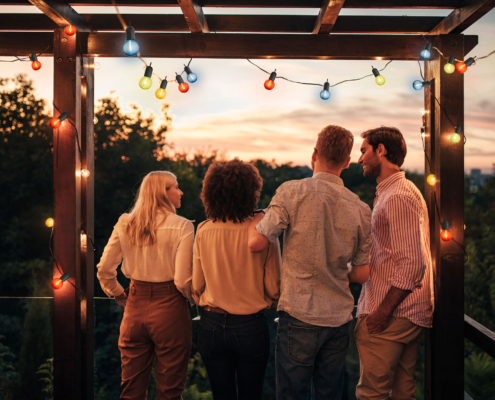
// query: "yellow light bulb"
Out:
[431,179]
[380,80]
[50,222]
[145,82]
[85,173]
[160,93]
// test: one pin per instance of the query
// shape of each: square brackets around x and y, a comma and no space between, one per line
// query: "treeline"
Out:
[128,146]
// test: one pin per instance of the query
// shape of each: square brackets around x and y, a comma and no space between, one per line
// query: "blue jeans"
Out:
[307,352]
[233,345]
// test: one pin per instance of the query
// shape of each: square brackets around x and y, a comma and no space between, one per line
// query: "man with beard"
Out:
[396,303]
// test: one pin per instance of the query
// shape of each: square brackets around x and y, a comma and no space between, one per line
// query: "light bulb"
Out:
[449,67]
[95,120]
[422,111]
[130,47]
[379,79]
[145,82]
[55,122]
[446,235]
[36,65]
[70,30]
[50,222]
[161,92]
[418,85]
[456,137]
[183,86]
[270,82]
[57,283]
[425,54]
[461,67]
[85,173]
[325,93]
[191,76]
[431,179]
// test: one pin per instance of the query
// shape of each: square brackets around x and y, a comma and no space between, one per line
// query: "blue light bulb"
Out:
[325,93]
[425,54]
[192,77]
[130,47]
[418,85]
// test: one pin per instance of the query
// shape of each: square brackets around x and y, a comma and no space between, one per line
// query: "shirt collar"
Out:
[389,182]
[329,177]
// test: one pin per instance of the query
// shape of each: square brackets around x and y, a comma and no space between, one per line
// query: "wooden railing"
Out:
[479,335]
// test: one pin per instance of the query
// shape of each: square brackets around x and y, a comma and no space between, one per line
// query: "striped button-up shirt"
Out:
[400,252]
[325,226]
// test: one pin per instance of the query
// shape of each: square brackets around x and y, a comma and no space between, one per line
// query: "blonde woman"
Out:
[155,248]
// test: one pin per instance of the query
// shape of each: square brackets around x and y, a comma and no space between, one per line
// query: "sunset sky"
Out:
[228,108]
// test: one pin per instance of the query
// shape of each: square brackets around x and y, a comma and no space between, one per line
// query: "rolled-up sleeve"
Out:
[276,218]
[107,267]
[198,277]
[183,260]
[271,279]
[362,255]
[404,221]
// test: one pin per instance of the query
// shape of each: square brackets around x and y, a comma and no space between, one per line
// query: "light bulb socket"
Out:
[149,71]
[273,75]
[130,33]
[426,83]
[446,225]
[179,78]
[326,86]
[163,85]
[451,60]
[458,129]
[65,276]
[469,61]
[428,46]
[375,72]
[34,57]
[63,116]
[187,69]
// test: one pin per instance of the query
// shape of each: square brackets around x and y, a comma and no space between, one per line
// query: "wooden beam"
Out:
[177,45]
[327,16]
[481,336]
[62,14]
[445,341]
[463,17]
[231,23]
[195,18]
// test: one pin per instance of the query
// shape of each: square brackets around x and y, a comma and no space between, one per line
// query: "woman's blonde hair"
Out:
[150,199]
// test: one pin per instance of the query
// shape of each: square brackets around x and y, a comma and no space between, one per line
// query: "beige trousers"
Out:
[387,360]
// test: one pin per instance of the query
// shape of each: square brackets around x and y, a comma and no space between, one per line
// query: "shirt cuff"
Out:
[401,282]
[363,259]
[264,231]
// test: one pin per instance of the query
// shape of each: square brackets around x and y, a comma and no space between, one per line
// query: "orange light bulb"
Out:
[36,65]
[57,283]
[269,84]
[70,30]
[446,235]
[55,122]
[183,87]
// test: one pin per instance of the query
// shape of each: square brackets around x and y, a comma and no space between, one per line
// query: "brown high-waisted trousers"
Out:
[156,322]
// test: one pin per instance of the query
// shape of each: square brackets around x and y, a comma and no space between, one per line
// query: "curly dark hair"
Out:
[231,190]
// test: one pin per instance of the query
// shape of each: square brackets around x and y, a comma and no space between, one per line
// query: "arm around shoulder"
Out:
[183,260]
[257,242]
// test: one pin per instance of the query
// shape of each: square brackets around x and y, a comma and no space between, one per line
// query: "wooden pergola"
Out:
[327,36]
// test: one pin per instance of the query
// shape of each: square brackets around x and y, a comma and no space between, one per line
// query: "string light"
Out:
[456,137]
[95,120]
[57,283]
[431,179]
[70,30]
[161,92]
[425,54]
[461,67]
[85,173]
[418,85]
[145,82]
[55,122]
[325,93]
[449,68]
[50,222]
[379,79]
[130,47]
[446,235]
[183,86]
[191,76]
[270,82]
[36,65]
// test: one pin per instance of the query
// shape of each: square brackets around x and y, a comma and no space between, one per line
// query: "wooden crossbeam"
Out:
[195,18]
[178,45]
[231,23]
[62,14]
[463,17]
[327,16]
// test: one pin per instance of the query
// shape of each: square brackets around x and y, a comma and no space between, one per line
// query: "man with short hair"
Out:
[325,226]
[396,303]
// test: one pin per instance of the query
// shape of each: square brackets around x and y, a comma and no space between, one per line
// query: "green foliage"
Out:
[196,377]
[8,375]
[479,371]
[46,372]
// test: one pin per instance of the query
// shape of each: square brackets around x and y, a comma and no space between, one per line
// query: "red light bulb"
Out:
[183,87]
[461,67]
[70,30]
[269,84]
[56,122]
[36,65]
[446,235]
[57,283]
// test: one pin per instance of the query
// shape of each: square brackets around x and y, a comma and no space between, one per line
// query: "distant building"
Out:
[477,179]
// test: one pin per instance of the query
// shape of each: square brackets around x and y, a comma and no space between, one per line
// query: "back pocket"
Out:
[205,339]
[252,343]
[303,343]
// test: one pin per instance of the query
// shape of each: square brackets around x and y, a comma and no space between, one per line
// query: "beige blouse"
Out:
[227,275]
[169,258]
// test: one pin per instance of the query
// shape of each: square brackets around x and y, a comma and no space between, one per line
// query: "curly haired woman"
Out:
[233,285]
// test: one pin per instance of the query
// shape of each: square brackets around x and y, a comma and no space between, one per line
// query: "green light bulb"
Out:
[145,82]
[455,138]
[380,80]
[449,68]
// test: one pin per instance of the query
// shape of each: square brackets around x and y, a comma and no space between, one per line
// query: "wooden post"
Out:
[445,342]
[67,232]
[87,228]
